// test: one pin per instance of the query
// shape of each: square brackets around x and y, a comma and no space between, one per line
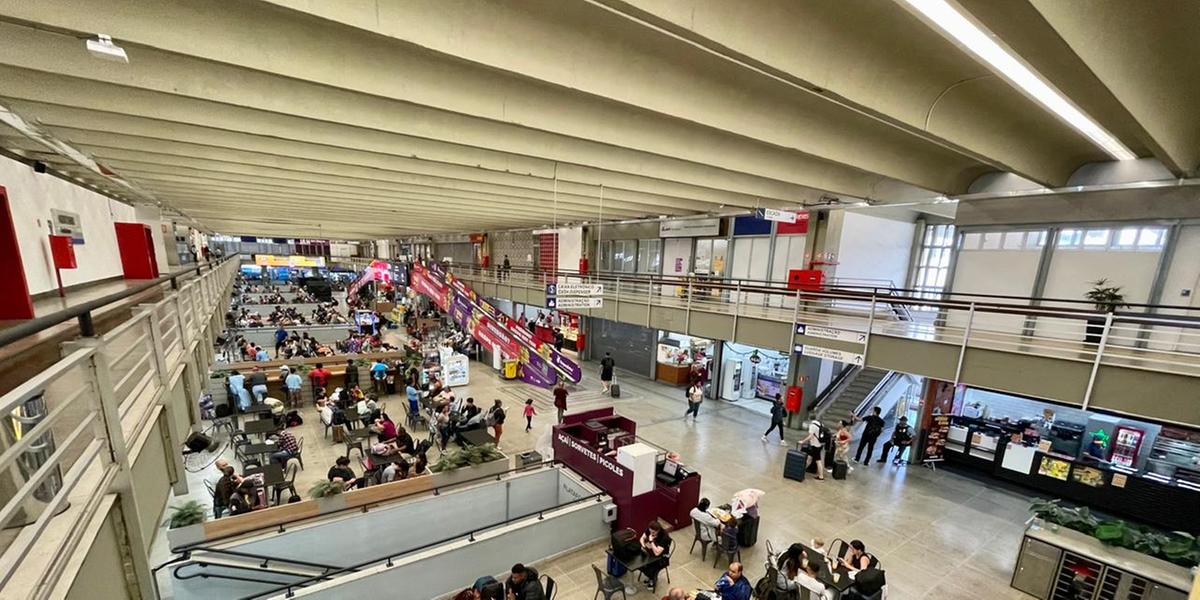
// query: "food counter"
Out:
[1013,453]
[672,374]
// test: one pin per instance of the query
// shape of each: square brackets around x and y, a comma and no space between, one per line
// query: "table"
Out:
[844,581]
[261,427]
[477,437]
[257,409]
[361,433]
[635,564]
[258,449]
[272,473]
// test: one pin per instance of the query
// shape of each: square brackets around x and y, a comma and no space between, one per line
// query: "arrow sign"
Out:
[574,289]
[573,302]
[853,358]
[829,333]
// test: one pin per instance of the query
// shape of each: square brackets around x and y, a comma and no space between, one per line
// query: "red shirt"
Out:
[319,376]
[560,398]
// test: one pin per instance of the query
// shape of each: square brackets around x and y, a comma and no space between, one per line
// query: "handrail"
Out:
[883,384]
[839,383]
[263,557]
[201,545]
[205,575]
[83,311]
[779,285]
[470,535]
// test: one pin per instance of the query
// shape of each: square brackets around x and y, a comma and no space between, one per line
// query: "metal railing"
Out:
[1166,339]
[70,426]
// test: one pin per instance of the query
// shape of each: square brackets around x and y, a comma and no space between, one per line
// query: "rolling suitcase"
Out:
[840,469]
[793,465]
[616,391]
[748,531]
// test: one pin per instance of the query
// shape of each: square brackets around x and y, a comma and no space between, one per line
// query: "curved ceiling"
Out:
[392,118]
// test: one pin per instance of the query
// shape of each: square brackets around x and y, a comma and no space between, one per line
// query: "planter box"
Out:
[181,536]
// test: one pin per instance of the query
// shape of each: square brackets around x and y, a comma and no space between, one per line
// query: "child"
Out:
[529,412]
[817,544]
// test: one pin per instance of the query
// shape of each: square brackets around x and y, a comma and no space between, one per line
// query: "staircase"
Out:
[852,396]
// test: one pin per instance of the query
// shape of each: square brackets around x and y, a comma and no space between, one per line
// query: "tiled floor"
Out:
[937,534]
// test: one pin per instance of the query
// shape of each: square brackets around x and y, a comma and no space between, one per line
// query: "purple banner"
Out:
[536,370]
[460,310]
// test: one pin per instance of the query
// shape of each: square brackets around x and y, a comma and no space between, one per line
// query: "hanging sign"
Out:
[852,358]
[783,216]
[574,289]
[573,302]
[829,333]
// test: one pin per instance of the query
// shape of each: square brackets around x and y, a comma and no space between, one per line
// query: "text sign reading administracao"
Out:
[573,302]
[829,333]
[574,289]
[829,353]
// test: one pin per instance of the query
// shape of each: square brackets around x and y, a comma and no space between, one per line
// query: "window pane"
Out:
[945,259]
[928,236]
[971,241]
[1127,237]
[1151,237]
[1035,239]
[1068,238]
[941,277]
[1014,240]
[991,241]
[1096,238]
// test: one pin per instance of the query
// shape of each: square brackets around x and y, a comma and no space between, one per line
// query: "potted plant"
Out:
[456,459]
[1175,547]
[1106,298]
[185,523]
[328,495]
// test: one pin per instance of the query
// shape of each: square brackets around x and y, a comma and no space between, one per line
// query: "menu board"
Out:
[1053,467]
[935,439]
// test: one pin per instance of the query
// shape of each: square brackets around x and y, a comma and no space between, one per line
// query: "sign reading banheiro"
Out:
[568,288]
[573,302]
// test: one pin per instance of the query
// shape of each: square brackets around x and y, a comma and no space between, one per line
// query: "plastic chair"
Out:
[696,525]
[549,586]
[728,545]
[608,585]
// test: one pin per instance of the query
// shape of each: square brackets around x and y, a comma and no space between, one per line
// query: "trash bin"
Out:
[509,369]
[525,459]
[748,531]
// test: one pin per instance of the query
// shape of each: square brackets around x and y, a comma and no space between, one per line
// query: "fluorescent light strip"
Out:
[982,44]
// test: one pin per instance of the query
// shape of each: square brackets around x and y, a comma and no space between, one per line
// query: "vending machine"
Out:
[1126,443]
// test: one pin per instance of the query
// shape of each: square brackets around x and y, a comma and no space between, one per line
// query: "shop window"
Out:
[649,256]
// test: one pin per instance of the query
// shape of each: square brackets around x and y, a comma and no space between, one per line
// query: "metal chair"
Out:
[608,585]
[838,549]
[696,526]
[289,482]
[549,586]
[300,452]
[728,545]
[667,557]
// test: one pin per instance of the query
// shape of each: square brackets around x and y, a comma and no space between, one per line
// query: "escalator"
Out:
[854,394]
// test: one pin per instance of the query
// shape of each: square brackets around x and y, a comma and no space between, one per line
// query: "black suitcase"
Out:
[840,469]
[793,465]
[748,531]
[616,391]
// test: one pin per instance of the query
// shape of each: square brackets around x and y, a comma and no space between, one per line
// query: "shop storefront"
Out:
[1145,471]
[750,373]
[681,358]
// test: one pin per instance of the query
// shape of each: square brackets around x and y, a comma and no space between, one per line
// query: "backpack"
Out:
[293,419]
[822,434]
[625,544]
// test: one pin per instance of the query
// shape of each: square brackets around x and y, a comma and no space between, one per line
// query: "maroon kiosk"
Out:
[588,443]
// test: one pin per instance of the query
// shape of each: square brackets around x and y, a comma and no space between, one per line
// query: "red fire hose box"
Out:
[63,252]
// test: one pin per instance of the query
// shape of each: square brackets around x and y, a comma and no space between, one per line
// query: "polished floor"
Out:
[938,534]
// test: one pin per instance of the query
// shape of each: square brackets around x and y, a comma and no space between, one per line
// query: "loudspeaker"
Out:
[198,442]
[39,166]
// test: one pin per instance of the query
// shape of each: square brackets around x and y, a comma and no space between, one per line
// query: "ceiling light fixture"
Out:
[103,48]
[958,26]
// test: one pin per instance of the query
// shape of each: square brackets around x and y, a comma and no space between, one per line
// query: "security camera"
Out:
[103,47]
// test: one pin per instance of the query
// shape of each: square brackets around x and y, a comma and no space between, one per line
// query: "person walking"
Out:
[606,371]
[841,442]
[872,429]
[560,400]
[778,412]
[529,412]
[814,444]
[695,395]
[293,383]
[495,418]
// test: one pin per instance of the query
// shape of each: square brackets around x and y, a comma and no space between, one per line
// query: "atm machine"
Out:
[737,380]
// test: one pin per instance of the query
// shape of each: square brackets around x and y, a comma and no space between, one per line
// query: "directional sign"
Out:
[783,216]
[829,333]
[573,302]
[853,358]
[574,289]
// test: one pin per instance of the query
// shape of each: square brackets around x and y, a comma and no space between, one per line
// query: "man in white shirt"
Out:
[708,522]
[806,577]
[815,446]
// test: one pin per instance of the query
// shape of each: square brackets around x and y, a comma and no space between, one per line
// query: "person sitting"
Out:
[245,498]
[858,558]
[901,439]
[286,445]
[341,472]
[385,428]
[395,471]
[805,576]
[867,584]
[225,487]
[733,585]
[469,412]
[403,440]
[709,523]
[655,542]
[523,584]
[677,594]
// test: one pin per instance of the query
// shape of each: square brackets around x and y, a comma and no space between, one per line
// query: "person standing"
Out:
[560,400]
[778,412]
[841,442]
[695,395]
[873,427]
[606,371]
[293,383]
[351,378]
[529,412]
[378,376]
[318,377]
[505,267]
[281,336]
[495,418]
[258,384]
[237,386]
[815,446]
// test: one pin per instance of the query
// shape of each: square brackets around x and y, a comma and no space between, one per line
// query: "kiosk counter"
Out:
[602,446]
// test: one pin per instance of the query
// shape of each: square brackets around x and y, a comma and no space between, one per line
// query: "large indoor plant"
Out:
[474,455]
[185,523]
[1176,547]
[1106,298]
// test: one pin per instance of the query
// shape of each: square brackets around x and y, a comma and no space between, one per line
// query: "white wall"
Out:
[1072,270]
[1182,274]
[677,256]
[870,247]
[1002,272]
[32,196]
[570,248]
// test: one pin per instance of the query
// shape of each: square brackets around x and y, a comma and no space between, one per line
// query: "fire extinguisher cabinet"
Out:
[136,243]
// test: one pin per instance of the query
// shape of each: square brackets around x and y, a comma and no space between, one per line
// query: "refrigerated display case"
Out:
[1126,444]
